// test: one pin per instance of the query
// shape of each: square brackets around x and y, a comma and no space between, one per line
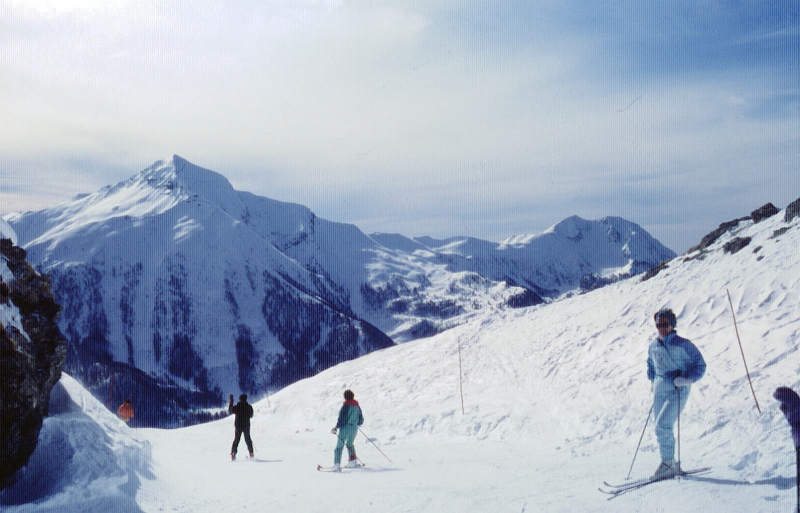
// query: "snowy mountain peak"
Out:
[206,289]
[572,227]
[152,192]
[179,178]
[610,227]
[178,174]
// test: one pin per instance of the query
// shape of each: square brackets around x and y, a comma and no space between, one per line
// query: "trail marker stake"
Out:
[742,351]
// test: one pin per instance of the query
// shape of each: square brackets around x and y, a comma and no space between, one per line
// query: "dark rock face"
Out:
[764,212]
[712,237]
[655,270]
[792,211]
[733,246]
[30,365]
[525,299]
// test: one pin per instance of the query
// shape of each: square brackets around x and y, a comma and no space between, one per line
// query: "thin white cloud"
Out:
[455,115]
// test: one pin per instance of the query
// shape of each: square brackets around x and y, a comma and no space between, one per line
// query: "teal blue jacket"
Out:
[350,414]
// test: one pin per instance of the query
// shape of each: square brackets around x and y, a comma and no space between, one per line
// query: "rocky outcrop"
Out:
[655,270]
[764,212]
[721,230]
[792,211]
[736,244]
[32,352]
[757,215]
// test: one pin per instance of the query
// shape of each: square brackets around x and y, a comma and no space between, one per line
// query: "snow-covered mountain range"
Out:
[522,410]
[177,289]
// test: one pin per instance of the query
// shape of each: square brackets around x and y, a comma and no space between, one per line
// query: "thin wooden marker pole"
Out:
[730,301]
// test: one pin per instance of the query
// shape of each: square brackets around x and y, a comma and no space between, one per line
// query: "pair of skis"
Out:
[360,466]
[617,490]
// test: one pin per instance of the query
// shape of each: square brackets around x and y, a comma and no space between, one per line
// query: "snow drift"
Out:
[86,460]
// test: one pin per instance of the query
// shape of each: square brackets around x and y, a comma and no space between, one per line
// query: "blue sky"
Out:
[437,118]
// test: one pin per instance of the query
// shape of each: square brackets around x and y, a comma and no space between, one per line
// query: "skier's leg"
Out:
[659,403]
[337,453]
[350,442]
[248,440]
[669,407]
[665,416]
[236,439]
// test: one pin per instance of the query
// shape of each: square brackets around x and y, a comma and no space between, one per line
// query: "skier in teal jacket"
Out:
[350,417]
[673,364]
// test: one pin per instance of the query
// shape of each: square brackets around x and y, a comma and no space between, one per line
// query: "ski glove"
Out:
[333,431]
[682,382]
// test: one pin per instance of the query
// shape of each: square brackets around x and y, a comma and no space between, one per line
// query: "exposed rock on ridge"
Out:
[734,244]
[31,358]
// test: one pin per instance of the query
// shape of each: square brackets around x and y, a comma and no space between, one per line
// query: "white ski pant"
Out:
[668,403]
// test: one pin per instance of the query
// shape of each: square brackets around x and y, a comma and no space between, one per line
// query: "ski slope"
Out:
[554,400]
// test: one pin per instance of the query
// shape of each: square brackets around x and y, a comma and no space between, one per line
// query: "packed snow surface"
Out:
[555,398]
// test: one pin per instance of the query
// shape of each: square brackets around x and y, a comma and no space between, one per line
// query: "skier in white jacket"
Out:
[673,364]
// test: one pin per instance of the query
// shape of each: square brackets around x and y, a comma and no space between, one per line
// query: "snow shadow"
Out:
[780,483]
[256,460]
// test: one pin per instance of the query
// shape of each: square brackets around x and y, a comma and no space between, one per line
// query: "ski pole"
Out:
[679,427]
[649,413]
[373,443]
[460,378]
[742,351]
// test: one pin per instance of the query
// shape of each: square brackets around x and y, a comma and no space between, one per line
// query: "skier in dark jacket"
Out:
[790,406]
[673,365]
[350,417]
[243,412]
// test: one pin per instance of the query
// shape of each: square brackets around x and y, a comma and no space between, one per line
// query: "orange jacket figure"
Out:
[125,411]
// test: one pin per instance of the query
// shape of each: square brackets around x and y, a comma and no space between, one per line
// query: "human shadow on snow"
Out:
[255,460]
[781,483]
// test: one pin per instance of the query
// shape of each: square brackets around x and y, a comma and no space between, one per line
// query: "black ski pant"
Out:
[242,430]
